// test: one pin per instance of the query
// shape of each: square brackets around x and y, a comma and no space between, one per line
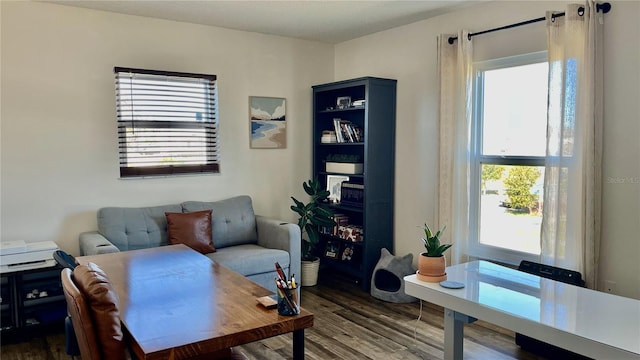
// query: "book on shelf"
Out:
[346,131]
[352,194]
[340,220]
[358,134]
[328,137]
[326,230]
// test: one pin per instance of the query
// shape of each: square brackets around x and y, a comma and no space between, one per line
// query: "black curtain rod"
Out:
[604,7]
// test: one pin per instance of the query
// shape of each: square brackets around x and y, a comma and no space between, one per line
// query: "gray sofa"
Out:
[246,243]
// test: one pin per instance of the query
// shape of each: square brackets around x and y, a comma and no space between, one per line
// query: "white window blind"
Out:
[167,122]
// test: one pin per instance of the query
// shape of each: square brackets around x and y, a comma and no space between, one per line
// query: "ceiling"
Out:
[330,21]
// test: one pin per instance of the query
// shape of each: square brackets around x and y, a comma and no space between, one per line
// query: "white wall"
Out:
[57,122]
[58,128]
[409,55]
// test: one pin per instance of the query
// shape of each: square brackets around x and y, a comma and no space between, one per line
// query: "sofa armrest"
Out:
[92,243]
[277,234]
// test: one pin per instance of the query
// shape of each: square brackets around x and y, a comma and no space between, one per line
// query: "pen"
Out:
[280,272]
[291,297]
[295,301]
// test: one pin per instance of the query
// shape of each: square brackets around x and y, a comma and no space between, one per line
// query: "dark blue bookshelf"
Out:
[376,120]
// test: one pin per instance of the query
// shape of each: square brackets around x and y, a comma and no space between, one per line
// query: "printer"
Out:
[18,255]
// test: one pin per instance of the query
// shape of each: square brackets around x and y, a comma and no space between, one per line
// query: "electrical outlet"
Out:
[610,286]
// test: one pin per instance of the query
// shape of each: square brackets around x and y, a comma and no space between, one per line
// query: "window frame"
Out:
[476,249]
[209,127]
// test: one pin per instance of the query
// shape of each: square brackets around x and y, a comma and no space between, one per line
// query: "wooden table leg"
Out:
[298,344]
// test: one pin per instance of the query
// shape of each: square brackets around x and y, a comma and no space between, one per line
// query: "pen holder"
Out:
[287,302]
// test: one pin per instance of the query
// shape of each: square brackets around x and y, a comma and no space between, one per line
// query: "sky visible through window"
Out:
[515,110]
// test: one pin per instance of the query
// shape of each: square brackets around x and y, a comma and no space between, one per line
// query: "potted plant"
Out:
[432,263]
[313,215]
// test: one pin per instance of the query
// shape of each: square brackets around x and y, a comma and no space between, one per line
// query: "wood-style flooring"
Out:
[349,324]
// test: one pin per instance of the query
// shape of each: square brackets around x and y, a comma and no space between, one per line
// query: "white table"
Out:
[595,324]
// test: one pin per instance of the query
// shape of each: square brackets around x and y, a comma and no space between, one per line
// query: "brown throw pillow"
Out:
[102,299]
[192,229]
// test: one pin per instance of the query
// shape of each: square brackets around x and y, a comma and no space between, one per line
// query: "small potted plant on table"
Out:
[313,215]
[432,263]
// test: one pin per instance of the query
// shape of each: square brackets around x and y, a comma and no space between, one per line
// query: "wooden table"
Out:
[592,323]
[176,303]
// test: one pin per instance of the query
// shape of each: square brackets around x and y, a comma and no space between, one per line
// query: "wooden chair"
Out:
[98,330]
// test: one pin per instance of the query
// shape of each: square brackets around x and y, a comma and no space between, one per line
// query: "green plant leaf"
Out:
[312,215]
[308,188]
[299,211]
[324,212]
[312,232]
[427,231]
[299,204]
[320,221]
[432,243]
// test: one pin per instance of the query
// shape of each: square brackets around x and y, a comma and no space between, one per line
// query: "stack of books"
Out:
[341,220]
[328,137]
[346,131]
[352,194]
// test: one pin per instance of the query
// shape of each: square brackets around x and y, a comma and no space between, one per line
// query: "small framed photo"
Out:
[343,102]
[332,249]
[347,252]
[334,186]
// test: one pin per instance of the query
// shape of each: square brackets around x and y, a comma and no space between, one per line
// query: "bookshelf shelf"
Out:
[342,144]
[355,176]
[355,108]
[21,309]
[338,208]
[374,125]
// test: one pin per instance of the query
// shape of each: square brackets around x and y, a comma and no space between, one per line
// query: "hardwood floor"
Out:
[349,324]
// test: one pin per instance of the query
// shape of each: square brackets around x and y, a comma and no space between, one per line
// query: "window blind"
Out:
[167,122]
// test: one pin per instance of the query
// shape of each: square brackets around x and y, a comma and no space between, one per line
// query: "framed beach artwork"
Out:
[268,122]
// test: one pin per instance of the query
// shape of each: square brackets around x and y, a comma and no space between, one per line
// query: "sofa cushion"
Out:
[135,228]
[102,300]
[250,259]
[234,222]
[192,229]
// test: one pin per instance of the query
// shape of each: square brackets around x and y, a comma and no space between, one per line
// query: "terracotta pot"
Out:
[431,269]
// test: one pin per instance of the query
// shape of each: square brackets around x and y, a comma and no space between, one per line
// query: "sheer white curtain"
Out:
[570,236]
[455,71]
